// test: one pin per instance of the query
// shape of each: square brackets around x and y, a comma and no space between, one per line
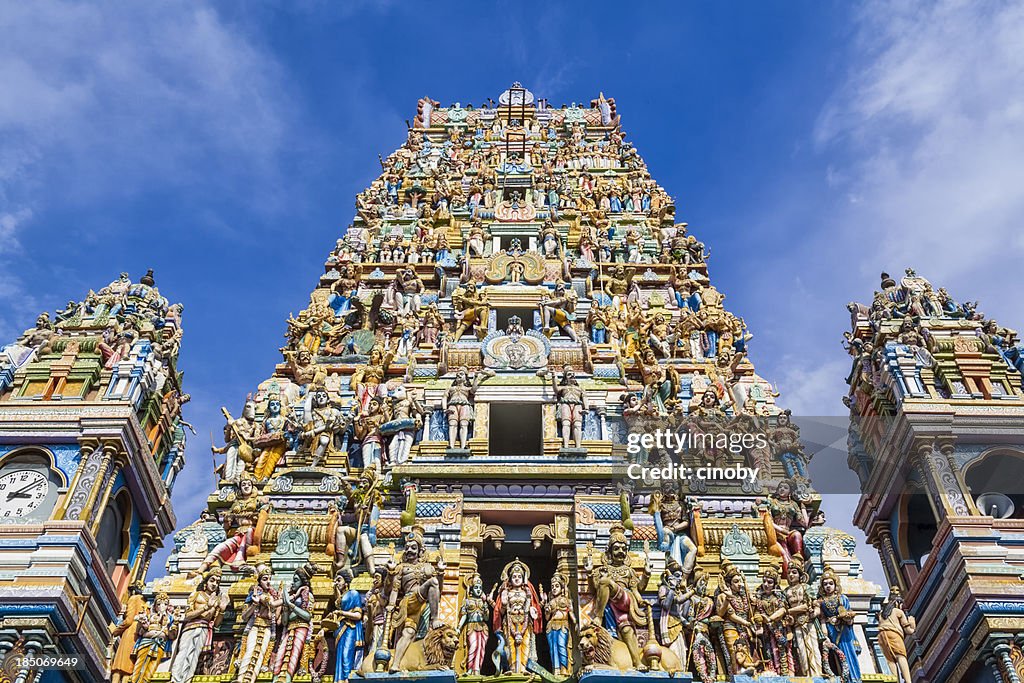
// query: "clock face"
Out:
[22,491]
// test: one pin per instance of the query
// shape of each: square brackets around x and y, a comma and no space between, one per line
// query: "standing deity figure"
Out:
[559,311]
[374,612]
[560,619]
[431,325]
[406,420]
[297,619]
[834,608]
[348,636]
[789,519]
[413,594]
[736,610]
[517,618]
[238,438]
[699,617]
[354,544]
[240,523]
[368,380]
[153,644]
[673,599]
[672,523]
[617,599]
[893,628]
[616,284]
[410,287]
[260,615]
[802,619]
[367,432]
[121,666]
[770,615]
[203,613]
[476,239]
[473,620]
[471,310]
[572,405]
[550,240]
[458,404]
[322,423]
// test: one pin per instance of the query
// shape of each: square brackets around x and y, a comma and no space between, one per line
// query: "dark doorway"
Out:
[516,429]
[525,317]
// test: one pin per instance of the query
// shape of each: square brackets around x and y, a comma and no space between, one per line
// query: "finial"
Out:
[147,279]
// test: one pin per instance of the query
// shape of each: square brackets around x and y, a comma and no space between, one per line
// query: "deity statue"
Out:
[699,617]
[406,420]
[789,519]
[348,634]
[517,618]
[617,599]
[572,405]
[297,619]
[238,438]
[477,239]
[413,592]
[204,612]
[672,522]
[661,383]
[354,544]
[893,628]
[368,380]
[559,310]
[560,620]
[801,617]
[240,524]
[598,322]
[374,612]
[549,239]
[261,614]
[121,666]
[153,641]
[410,288]
[40,335]
[656,333]
[834,608]
[770,615]
[673,597]
[736,610]
[458,404]
[367,432]
[322,424]
[271,441]
[431,325]
[473,620]
[471,310]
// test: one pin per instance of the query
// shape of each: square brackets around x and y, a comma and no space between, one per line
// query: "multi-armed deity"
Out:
[433,478]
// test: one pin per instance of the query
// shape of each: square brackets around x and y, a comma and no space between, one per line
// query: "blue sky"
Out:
[810,144]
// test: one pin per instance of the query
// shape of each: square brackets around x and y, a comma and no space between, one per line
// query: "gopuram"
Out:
[91,440]
[434,482]
[937,438]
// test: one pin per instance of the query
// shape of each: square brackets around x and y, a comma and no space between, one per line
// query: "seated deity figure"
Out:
[789,520]
[238,438]
[413,589]
[572,405]
[353,544]
[559,311]
[458,404]
[240,523]
[618,602]
[471,310]
[517,617]
[473,620]
[410,288]
[322,424]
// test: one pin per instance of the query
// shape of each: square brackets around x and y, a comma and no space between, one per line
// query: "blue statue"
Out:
[348,636]
[839,618]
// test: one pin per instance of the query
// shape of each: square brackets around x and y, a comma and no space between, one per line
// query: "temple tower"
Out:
[936,437]
[512,308]
[90,441]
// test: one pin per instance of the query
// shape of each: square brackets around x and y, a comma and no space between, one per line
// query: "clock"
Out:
[28,492]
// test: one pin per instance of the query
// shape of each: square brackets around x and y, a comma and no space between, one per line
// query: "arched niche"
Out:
[998,470]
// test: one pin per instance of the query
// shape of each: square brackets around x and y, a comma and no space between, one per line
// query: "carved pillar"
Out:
[882,540]
[1002,652]
[102,492]
[946,495]
[993,663]
[144,553]
[81,493]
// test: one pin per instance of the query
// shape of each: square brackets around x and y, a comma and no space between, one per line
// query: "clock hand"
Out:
[21,492]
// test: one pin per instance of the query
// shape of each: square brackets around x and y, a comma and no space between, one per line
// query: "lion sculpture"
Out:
[601,651]
[434,652]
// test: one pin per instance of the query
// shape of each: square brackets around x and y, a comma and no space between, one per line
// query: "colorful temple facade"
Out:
[91,439]
[438,481]
[936,438]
